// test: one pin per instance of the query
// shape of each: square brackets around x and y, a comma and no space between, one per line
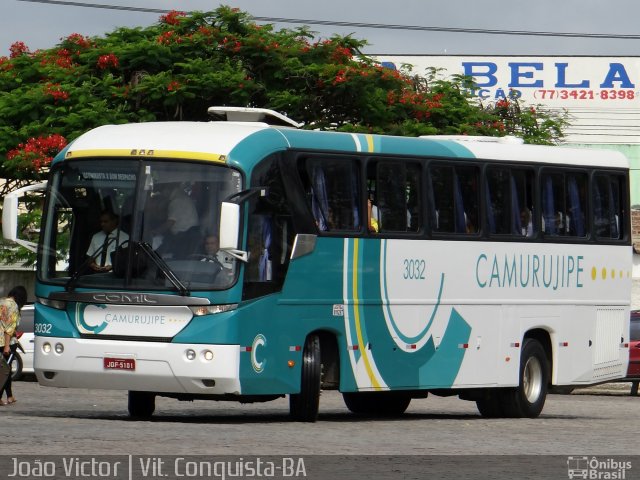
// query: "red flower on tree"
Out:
[4,64]
[54,90]
[79,40]
[64,58]
[173,86]
[107,61]
[341,54]
[17,49]
[169,37]
[172,18]
[37,151]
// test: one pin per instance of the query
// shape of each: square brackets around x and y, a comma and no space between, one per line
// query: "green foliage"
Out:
[175,69]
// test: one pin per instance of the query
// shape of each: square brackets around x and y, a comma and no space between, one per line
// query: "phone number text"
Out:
[551,94]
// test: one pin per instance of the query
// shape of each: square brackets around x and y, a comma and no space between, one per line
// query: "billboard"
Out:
[600,94]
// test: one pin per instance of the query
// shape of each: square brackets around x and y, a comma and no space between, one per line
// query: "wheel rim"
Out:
[532,379]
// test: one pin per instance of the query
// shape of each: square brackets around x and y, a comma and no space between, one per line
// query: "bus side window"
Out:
[576,203]
[334,194]
[608,206]
[509,198]
[498,215]
[563,203]
[393,189]
[442,212]
[455,197]
[553,216]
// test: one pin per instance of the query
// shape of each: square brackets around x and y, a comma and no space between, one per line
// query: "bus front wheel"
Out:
[141,405]
[303,406]
[527,399]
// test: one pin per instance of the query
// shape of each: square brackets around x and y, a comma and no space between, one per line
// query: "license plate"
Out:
[119,363]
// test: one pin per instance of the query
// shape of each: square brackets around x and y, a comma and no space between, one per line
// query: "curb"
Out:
[616,388]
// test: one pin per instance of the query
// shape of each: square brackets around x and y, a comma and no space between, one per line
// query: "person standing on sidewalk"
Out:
[10,307]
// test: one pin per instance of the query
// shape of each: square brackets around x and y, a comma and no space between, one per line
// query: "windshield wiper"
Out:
[164,268]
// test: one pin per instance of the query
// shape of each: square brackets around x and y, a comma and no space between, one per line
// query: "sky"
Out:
[42,25]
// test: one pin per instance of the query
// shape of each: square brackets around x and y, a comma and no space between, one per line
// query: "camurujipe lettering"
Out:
[136,318]
[529,271]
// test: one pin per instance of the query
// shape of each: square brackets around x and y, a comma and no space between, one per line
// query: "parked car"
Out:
[23,363]
[633,372]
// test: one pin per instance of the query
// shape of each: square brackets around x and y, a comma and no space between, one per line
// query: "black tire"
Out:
[527,399]
[304,406]
[141,405]
[16,366]
[490,406]
[377,403]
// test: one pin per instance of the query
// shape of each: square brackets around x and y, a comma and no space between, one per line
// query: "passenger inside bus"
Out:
[372,216]
[179,232]
[470,222]
[212,253]
[526,223]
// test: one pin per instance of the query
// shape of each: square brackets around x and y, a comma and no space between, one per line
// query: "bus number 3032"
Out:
[42,327]
[414,269]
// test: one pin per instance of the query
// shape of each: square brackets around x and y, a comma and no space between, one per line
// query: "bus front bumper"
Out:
[141,366]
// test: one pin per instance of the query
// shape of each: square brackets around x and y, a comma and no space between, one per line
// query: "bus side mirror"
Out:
[229,225]
[10,210]
[230,230]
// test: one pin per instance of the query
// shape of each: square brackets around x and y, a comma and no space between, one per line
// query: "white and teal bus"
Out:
[387,268]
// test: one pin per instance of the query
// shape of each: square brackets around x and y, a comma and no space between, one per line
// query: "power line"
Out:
[98,5]
[384,26]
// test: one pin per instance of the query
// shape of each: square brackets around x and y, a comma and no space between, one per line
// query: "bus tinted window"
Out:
[522,185]
[454,197]
[334,193]
[564,202]
[510,201]
[393,195]
[607,205]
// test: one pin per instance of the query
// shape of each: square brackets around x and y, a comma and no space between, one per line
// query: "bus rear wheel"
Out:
[377,403]
[141,405]
[304,406]
[527,399]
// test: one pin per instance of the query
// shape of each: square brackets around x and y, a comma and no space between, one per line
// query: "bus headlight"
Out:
[200,310]
[208,355]
[190,354]
[46,348]
[59,348]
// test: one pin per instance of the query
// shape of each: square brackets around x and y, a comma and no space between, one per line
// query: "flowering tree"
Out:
[178,67]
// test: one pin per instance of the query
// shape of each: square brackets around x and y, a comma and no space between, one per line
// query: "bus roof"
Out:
[230,142]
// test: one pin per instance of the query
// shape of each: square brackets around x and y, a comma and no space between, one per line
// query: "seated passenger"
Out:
[212,253]
[526,223]
[178,230]
[372,211]
[470,223]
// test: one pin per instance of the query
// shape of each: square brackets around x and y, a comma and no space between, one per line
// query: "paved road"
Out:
[60,421]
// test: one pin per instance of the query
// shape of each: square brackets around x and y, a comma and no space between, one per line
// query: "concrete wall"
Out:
[11,278]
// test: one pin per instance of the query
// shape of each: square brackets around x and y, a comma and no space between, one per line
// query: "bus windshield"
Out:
[113,223]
